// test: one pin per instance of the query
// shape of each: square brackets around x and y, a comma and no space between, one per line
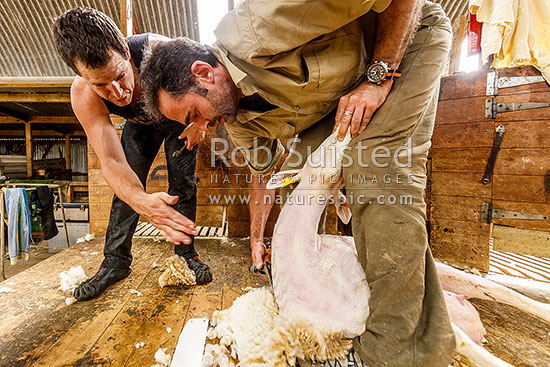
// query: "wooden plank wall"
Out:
[462,142]
[100,194]
[228,183]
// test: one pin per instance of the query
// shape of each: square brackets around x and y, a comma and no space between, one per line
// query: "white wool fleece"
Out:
[252,332]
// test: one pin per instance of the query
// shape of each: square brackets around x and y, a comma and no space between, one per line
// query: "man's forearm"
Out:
[261,201]
[124,182]
[395,28]
[156,207]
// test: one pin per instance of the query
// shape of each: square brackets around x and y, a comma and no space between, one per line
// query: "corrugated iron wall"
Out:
[26,41]
[79,154]
[79,159]
[454,10]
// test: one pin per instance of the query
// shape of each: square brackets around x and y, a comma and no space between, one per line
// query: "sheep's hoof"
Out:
[255,270]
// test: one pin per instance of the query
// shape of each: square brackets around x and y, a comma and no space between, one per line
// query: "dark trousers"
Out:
[141,144]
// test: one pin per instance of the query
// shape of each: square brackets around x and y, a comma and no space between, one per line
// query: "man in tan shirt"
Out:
[287,68]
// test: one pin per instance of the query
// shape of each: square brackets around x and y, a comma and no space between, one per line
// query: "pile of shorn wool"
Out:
[175,271]
[252,332]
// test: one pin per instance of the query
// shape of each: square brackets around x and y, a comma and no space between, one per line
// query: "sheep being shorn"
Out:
[319,301]
[320,289]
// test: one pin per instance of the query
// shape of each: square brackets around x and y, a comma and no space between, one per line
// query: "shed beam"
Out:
[38,133]
[13,116]
[35,97]
[36,82]
[53,119]
[28,107]
[11,120]
[62,129]
[67,151]
[39,120]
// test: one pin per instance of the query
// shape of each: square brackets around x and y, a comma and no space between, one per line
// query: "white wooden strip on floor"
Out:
[516,259]
[140,228]
[543,260]
[527,271]
[511,270]
[531,260]
[212,232]
[495,270]
[204,232]
[527,274]
[501,269]
[137,233]
[149,230]
[146,229]
[532,274]
[522,263]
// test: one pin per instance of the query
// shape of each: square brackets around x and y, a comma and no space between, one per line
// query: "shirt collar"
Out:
[239,77]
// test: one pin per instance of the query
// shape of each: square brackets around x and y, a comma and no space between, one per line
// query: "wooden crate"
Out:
[462,142]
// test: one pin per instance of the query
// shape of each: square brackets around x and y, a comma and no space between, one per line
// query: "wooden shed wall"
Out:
[462,142]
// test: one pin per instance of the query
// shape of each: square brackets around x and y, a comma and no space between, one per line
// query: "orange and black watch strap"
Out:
[393,74]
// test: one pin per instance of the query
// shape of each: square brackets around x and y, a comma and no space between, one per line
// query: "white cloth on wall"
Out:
[516,32]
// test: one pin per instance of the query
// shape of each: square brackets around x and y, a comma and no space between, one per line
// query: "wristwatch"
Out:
[379,71]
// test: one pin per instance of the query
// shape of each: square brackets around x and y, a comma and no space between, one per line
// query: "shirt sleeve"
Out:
[257,28]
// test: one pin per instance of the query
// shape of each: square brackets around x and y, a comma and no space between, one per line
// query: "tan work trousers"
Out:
[408,325]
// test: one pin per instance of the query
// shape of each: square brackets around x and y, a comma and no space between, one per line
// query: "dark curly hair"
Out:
[167,65]
[87,35]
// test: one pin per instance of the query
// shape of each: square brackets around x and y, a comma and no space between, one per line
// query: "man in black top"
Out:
[107,67]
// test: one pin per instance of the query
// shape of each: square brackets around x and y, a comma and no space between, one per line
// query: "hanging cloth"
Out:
[19,224]
[42,197]
[516,32]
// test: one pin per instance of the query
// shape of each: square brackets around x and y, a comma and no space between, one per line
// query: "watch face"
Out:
[376,73]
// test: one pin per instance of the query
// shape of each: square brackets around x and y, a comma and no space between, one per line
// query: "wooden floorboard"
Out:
[40,330]
[81,333]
